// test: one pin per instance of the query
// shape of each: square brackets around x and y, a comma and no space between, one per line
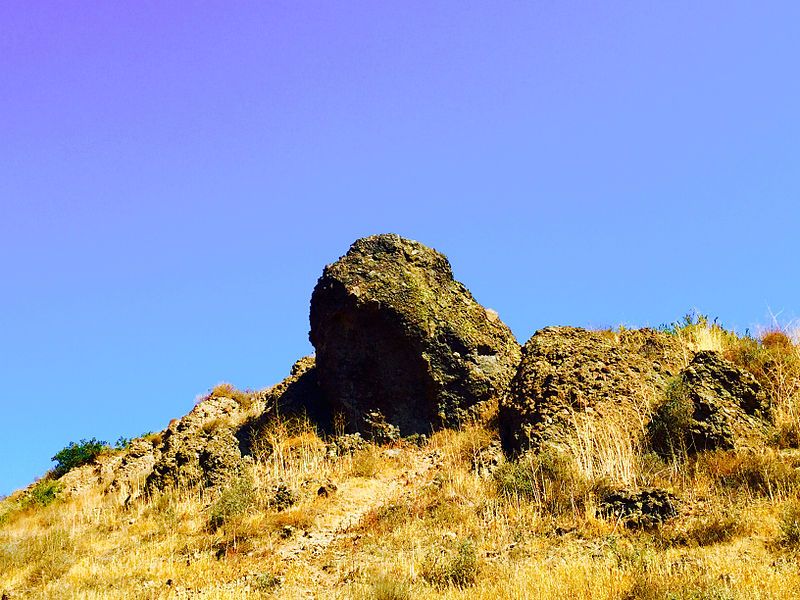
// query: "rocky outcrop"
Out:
[713,404]
[135,467]
[400,342]
[207,446]
[122,472]
[200,448]
[296,396]
[570,375]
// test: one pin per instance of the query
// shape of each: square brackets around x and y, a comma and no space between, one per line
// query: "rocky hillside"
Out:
[422,453]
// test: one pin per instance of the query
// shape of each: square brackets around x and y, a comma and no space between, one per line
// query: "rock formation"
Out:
[400,343]
[200,448]
[712,405]
[206,446]
[568,371]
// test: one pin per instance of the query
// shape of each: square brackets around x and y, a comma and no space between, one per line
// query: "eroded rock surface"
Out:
[713,405]
[573,378]
[206,447]
[397,336]
[645,508]
[200,448]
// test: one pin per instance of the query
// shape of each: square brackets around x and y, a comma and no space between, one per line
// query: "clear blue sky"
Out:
[175,175]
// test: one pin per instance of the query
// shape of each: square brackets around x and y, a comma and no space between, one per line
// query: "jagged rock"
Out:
[395,334]
[200,448]
[137,462]
[643,508]
[712,405]
[296,395]
[569,375]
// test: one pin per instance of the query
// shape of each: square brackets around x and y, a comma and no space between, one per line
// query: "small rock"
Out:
[487,459]
[326,490]
[283,497]
[645,508]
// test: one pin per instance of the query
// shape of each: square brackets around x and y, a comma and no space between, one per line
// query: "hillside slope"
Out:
[421,454]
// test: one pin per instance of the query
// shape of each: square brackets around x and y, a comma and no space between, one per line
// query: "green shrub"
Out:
[668,430]
[77,454]
[234,501]
[551,479]
[267,582]
[456,565]
[44,492]
[388,587]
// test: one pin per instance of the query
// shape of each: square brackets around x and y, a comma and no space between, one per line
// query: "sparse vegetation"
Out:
[233,502]
[790,525]
[245,398]
[668,430]
[43,492]
[455,564]
[421,521]
[551,480]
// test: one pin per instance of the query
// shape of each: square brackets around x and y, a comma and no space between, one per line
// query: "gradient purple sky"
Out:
[174,176]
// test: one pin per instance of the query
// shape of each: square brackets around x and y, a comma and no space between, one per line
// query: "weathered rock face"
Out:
[399,340]
[297,395]
[135,467]
[121,472]
[713,405]
[200,448]
[645,508]
[206,447]
[568,374]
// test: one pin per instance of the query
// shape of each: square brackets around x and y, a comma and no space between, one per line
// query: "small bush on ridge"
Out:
[77,454]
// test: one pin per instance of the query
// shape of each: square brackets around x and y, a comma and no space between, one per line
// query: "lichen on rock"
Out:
[712,404]
[569,371]
[397,336]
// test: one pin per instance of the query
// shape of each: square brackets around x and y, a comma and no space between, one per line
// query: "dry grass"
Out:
[245,398]
[430,527]
[421,522]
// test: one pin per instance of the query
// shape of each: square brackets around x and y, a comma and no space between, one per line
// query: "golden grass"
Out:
[425,526]
[420,522]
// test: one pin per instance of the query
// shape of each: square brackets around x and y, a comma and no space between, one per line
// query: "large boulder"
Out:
[712,405]
[572,381]
[400,343]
